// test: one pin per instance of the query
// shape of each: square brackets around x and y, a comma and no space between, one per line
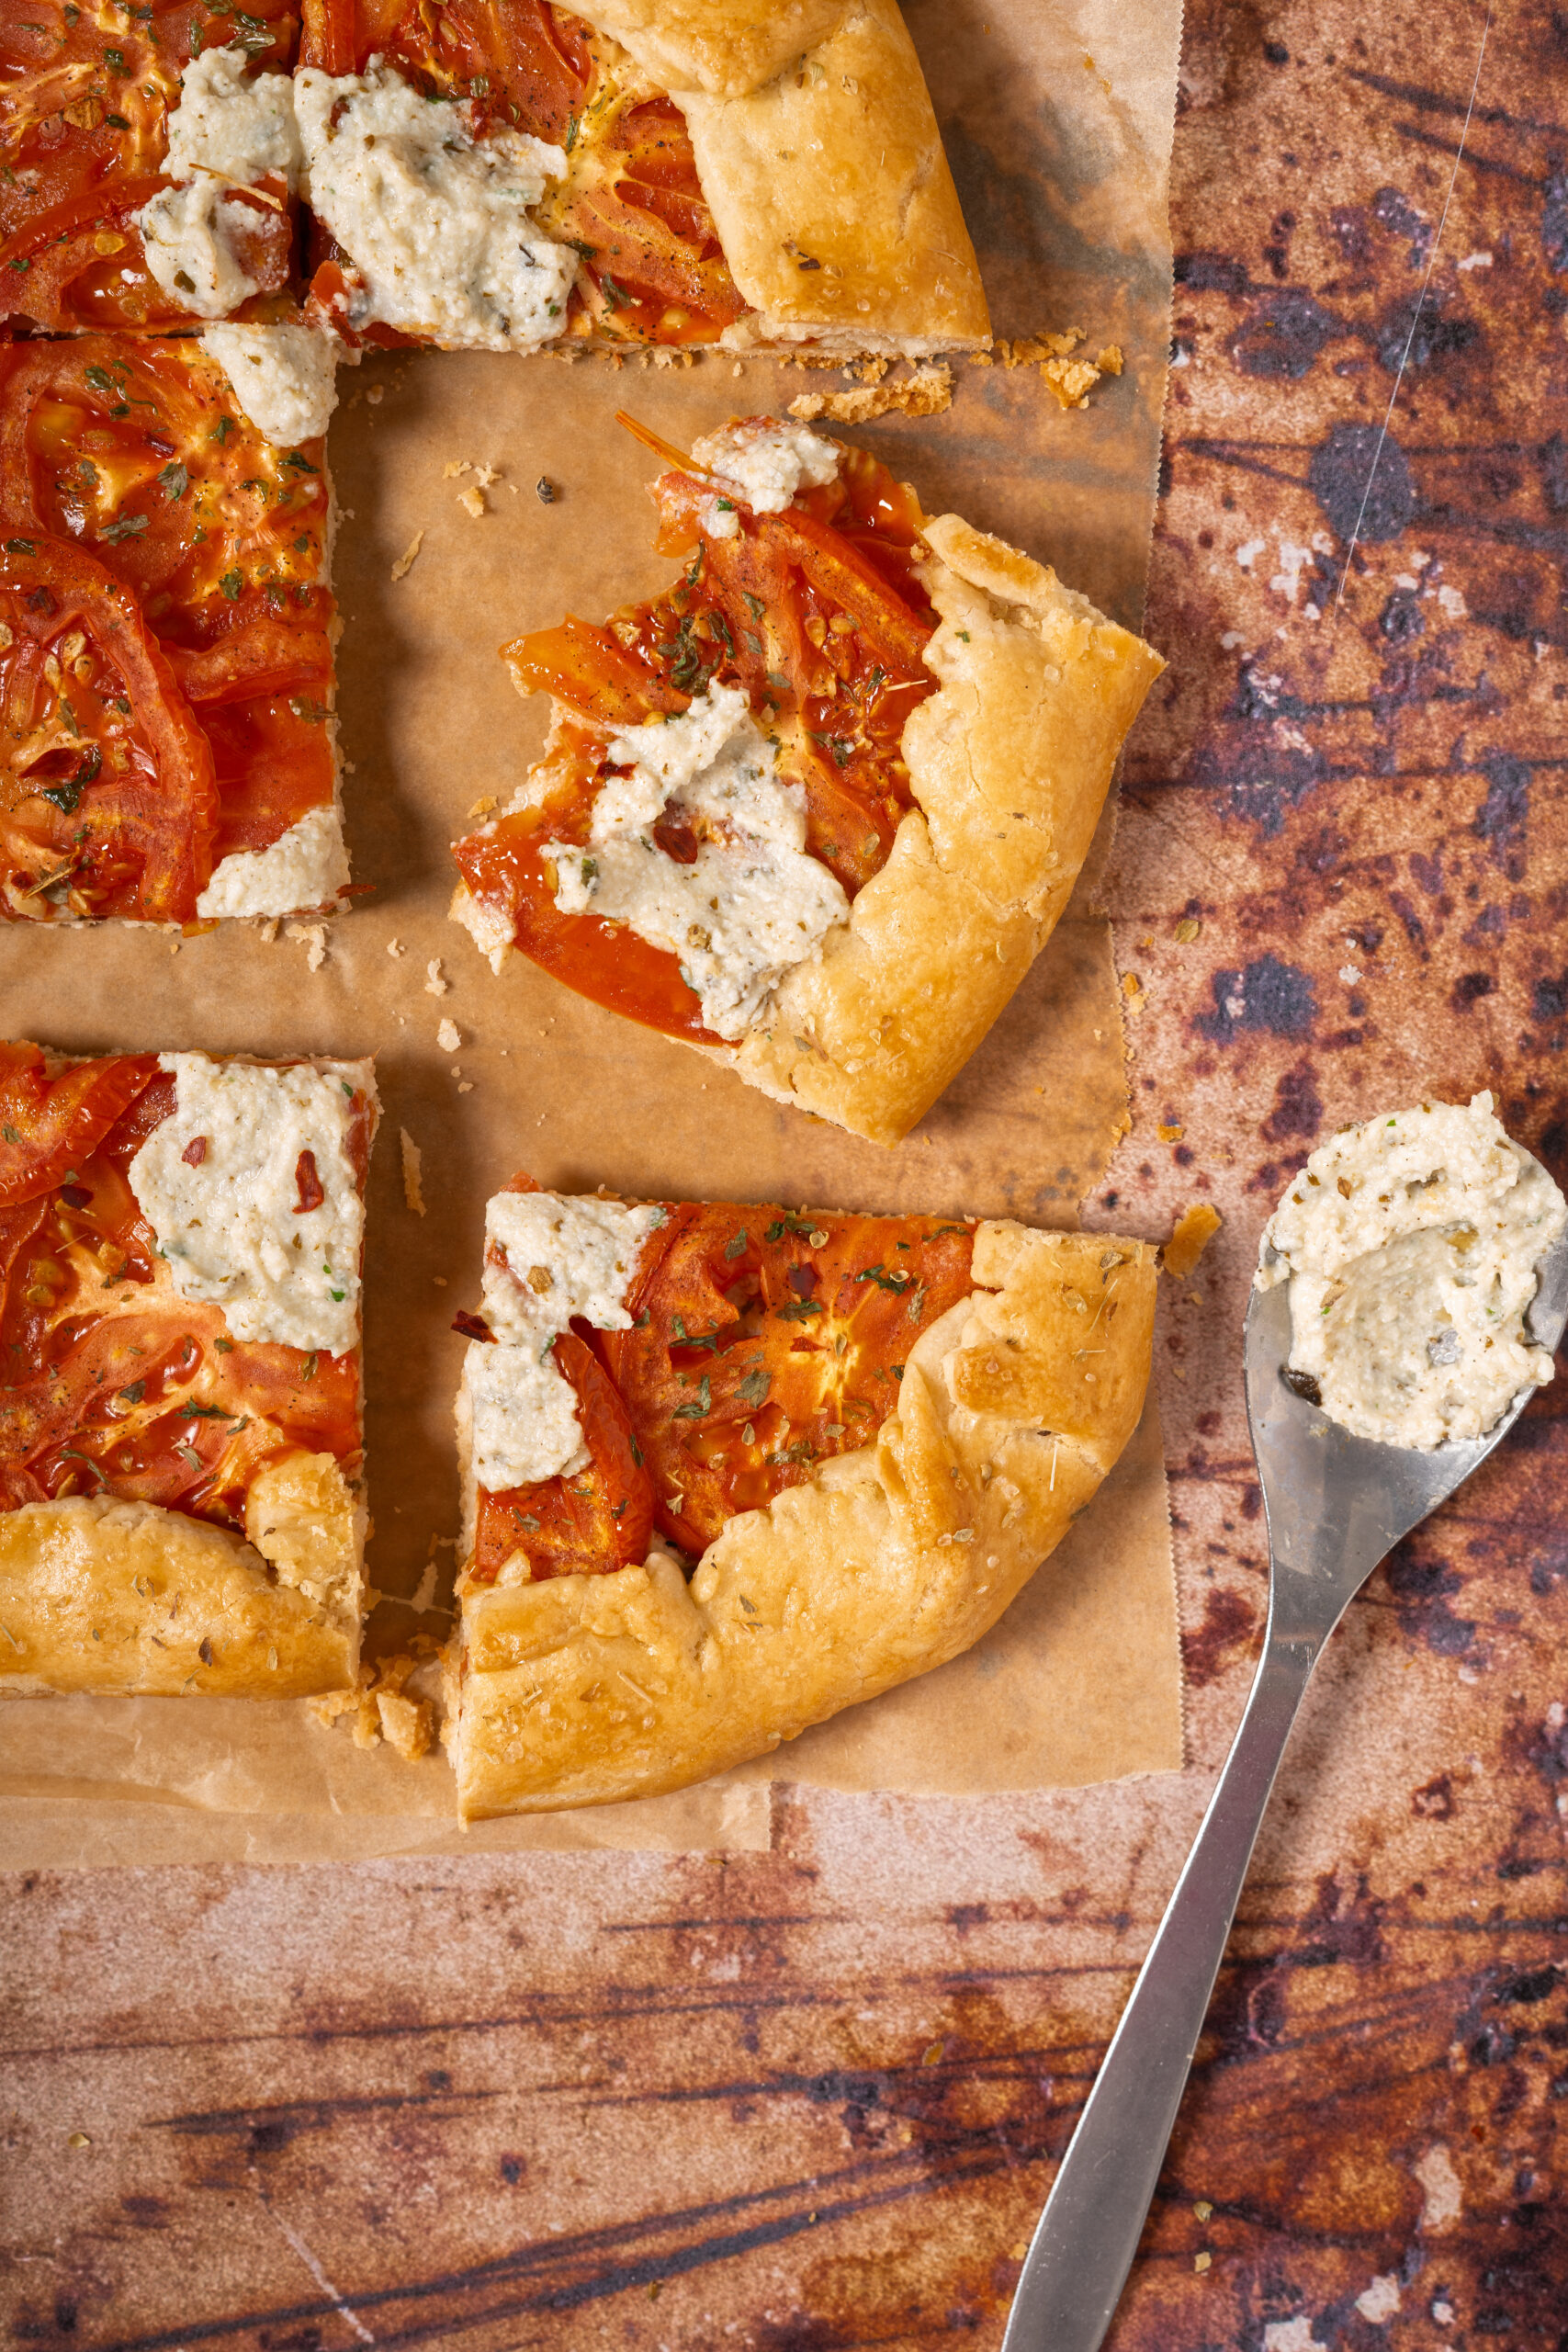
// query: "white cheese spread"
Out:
[230,129]
[1411,1245]
[220,1184]
[435,218]
[767,462]
[236,125]
[305,867]
[753,904]
[284,377]
[547,1258]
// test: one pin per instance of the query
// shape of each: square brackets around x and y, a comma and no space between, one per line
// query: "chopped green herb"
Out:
[134,1394]
[754,1389]
[174,480]
[701,1404]
[798,1309]
[735,1246]
[898,1281]
[232,584]
[124,527]
[221,430]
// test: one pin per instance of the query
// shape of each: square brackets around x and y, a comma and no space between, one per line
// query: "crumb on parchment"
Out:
[413,1192]
[434,985]
[1194,1229]
[405,562]
[448,1036]
[314,937]
[925,391]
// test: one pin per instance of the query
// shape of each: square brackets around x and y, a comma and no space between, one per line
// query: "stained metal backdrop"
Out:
[810,2102]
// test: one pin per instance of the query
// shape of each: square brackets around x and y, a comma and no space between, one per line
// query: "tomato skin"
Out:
[119,817]
[795,1330]
[58,1122]
[599,1519]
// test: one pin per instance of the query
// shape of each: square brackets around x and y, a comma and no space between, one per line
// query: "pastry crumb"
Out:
[434,983]
[395,948]
[1070,377]
[413,1192]
[270,929]
[448,1036]
[925,391]
[484,804]
[314,937]
[405,562]
[1193,1231]
[467,1086]
[472,501]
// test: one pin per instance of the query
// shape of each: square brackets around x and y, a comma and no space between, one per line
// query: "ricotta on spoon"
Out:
[1411,1244]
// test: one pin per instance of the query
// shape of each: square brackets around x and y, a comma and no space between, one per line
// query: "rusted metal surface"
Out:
[809,2101]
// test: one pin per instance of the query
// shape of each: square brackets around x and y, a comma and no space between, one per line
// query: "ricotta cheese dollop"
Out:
[305,867]
[227,1215]
[434,217]
[766,462]
[753,904]
[1411,1245]
[284,377]
[230,129]
[547,1259]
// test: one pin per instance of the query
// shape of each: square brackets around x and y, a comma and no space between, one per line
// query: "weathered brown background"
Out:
[810,2102]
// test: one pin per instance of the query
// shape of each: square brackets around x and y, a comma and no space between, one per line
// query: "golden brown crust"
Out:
[832,196]
[593,1689]
[1009,763]
[724,47]
[101,1595]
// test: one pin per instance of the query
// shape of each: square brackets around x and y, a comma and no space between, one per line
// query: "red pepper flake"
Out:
[471,1327]
[194,1151]
[308,1183]
[75,1196]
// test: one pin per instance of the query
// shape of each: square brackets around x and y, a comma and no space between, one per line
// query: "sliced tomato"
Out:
[49,1124]
[139,451]
[111,1383]
[767,1342]
[652,253]
[109,801]
[274,760]
[597,1520]
[593,672]
[520,62]
[83,264]
[509,877]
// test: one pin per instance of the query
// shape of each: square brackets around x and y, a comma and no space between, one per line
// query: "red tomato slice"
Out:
[600,1519]
[115,1383]
[137,450]
[603,961]
[520,62]
[83,264]
[49,1124]
[772,1342]
[110,804]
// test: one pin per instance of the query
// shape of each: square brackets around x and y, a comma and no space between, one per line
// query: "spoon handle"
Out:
[1088,2233]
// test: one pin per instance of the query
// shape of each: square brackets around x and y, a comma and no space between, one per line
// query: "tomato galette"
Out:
[150,162]
[817,807]
[181,1466]
[497,174]
[166,635]
[728,1469]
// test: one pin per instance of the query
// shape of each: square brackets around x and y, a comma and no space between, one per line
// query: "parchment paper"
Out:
[1058,124]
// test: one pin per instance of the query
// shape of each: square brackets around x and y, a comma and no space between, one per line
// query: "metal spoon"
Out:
[1335,1504]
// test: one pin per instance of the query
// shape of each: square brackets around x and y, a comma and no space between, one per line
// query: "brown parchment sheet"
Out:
[1057,122]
